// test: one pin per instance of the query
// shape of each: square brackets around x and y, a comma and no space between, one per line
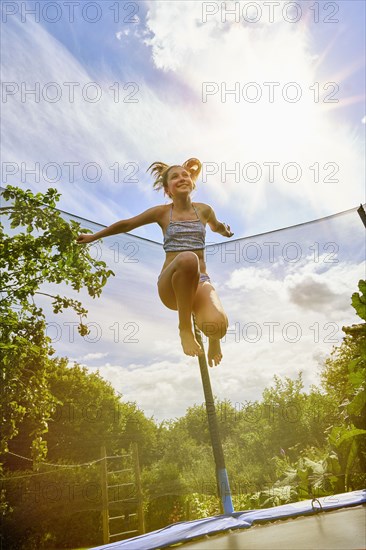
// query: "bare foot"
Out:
[189,343]
[214,352]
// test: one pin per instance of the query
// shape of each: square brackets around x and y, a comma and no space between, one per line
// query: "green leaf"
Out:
[358,403]
[352,455]
[349,434]
[359,302]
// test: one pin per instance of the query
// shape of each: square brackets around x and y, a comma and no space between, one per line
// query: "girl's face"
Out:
[179,181]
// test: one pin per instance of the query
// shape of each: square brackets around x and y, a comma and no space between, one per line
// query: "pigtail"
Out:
[158,169]
[194,167]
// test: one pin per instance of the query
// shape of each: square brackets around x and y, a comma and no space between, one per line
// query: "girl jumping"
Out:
[183,284]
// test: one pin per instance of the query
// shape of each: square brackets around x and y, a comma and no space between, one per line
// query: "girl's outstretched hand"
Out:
[84,238]
[228,231]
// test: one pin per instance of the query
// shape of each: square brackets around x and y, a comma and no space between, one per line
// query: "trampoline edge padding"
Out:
[188,531]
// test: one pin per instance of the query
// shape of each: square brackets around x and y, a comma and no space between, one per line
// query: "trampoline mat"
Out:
[337,530]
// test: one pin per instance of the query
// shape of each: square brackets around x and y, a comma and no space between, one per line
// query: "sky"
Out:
[270,98]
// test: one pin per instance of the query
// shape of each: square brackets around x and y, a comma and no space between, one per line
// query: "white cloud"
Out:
[120,34]
[251,278]
[91,356]
[163,389]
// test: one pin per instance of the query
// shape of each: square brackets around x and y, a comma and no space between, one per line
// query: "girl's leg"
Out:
[177,287]
[211,319]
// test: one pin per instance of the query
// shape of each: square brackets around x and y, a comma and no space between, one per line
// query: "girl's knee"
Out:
[216,327]
[188,261]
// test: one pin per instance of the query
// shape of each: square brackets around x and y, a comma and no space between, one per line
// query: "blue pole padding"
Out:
[225,493]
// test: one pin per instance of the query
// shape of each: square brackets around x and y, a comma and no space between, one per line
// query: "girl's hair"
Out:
[160,171]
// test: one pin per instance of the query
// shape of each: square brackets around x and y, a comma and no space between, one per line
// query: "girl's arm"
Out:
[216,226]
[124,226]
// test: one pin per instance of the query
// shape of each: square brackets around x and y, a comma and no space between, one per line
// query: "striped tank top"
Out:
[184,235]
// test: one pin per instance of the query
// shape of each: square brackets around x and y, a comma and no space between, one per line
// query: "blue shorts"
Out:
[203,277]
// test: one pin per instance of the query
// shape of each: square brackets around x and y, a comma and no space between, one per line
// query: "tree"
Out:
[347,437]
[61,503]
[88,414]
[334,371]
[44,250]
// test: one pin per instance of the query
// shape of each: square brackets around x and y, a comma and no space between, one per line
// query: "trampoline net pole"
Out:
[362,214]
[221,473]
